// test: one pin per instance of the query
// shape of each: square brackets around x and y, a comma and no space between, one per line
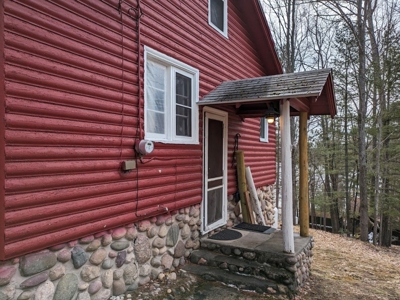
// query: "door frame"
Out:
[212,113]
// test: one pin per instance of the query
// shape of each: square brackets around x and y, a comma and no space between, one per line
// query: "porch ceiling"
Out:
[310,91]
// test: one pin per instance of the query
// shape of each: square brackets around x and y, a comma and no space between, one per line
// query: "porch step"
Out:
[239,265]
[254,258]
[260,285]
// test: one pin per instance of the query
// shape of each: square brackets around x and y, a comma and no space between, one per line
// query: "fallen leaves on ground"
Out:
[346,268]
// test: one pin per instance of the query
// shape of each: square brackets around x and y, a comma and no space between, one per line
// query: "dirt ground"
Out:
[343,268]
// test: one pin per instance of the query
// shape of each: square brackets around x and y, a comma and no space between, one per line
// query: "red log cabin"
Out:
[102,124]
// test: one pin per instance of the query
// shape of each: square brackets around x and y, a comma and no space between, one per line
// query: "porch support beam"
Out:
[287,205]
[303,201]
[299,105]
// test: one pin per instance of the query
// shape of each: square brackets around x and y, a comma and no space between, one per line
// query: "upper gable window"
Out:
[171,93]
[263,130]
[218,15]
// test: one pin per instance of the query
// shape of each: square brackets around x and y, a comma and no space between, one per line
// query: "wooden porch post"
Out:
[287,219]
[303,140]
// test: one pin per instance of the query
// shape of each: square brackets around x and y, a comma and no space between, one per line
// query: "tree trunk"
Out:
[362,113]
[346,155]
[385,231]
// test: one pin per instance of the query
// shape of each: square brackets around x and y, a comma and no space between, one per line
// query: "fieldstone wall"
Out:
[105,264]
[266,196]
[302,267]
[289,272]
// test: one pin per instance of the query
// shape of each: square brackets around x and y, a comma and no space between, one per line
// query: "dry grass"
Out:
[345,268]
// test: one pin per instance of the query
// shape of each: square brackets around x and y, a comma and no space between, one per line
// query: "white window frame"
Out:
[266,126]
[225,23]
[172,67]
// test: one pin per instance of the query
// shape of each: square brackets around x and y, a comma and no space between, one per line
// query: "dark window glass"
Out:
[262,128]
[183,105]
[217,13]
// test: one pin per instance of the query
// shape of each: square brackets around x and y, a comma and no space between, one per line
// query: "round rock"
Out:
[66,287]
[130,274]
[179,250]
[166,261]
[98,256]
[93,246]
[106,240]
[185,232]
[64,256]
[152,232]
[107,264]
[119,287]
[34,280]
[89,273]
[6,273]
[94,287]
[45,291]
[107,278]
[163,231]
[142,249]
[119,233]
[144,226]
[158,242]
[118,274]
[57,272]
[131,233]
[79,257]
[120,245]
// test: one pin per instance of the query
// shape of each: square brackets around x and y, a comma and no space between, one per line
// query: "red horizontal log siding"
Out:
[2,138]
[71,115]
[259,156]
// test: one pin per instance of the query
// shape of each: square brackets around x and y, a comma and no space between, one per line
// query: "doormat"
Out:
[252,227]
[226,235]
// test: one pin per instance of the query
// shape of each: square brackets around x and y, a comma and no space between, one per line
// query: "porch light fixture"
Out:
[271,114]
[270,120]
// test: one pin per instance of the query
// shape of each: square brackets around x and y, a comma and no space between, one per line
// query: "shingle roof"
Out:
[284,86]
[310,91]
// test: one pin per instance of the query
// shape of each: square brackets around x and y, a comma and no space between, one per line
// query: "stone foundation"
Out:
[114,261]
[266,196]
[105,264]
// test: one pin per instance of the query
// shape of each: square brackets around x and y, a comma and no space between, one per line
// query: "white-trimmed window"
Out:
[171,93]
[218,15]
[263,130]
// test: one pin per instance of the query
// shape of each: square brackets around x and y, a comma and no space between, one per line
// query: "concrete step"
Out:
[238,265]
[250,283]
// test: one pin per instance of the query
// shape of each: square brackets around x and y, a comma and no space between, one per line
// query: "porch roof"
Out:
[310,91]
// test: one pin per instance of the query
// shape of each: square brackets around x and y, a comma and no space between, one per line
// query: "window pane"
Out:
[183,121]
[155,75]
[217,13]
[183,90]
[183,105]
[156,99]
[155,122]
[262,128]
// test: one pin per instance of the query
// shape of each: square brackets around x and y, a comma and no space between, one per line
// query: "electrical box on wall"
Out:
[144,147]
[128,165]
